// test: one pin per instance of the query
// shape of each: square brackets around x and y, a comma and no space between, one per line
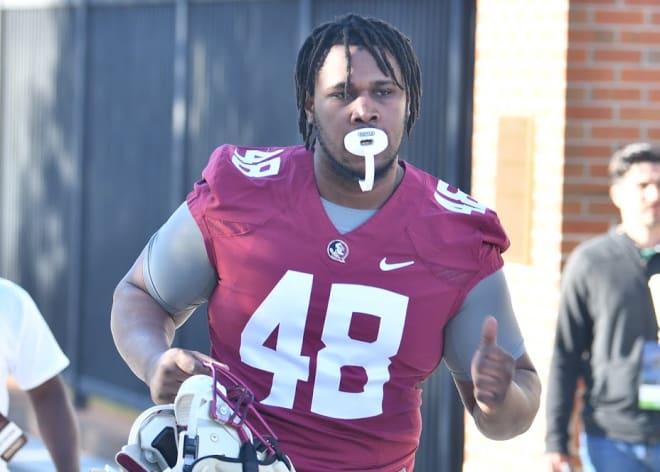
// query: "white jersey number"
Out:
[456,200]
[286,307]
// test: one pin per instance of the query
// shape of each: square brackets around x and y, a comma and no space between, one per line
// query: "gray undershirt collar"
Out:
[346,219]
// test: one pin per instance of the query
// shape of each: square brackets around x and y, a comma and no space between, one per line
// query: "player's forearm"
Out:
[57,424]
[518,410]
[141,329]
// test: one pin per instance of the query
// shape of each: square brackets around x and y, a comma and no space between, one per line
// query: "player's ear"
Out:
[309,109]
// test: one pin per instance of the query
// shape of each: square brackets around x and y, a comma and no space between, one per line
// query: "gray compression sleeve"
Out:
[177,271]
[463,332]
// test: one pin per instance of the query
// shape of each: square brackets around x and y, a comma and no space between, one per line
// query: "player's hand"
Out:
[492,370]
[559,462]
[170,369]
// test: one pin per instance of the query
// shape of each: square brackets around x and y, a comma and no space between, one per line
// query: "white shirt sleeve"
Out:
[32,353]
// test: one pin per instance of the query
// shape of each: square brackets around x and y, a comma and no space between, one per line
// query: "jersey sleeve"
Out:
[234,183]
[201,197]
[460,249]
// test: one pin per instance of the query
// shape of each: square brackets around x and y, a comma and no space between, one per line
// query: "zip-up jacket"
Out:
[605,316]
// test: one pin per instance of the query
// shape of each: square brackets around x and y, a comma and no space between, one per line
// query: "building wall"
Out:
[580,77]
[520,74]
[613,97]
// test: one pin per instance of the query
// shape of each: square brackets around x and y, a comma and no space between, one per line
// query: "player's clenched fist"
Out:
[169,371]
[492,370]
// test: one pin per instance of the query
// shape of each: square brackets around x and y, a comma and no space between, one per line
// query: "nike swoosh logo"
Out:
[386,266]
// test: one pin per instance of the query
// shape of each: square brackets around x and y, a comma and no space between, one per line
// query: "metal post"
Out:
[443,435]
[179,102]
[76,197]
[460,77]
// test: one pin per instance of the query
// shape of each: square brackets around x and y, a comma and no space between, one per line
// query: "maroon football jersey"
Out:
[335,332]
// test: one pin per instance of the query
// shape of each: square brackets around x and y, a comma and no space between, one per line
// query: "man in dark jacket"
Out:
[607,327]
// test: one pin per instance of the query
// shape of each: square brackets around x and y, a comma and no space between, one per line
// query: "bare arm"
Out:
[57,423]
[504,395]
[143,333]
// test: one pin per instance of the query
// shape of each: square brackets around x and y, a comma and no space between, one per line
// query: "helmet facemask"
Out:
[208,428]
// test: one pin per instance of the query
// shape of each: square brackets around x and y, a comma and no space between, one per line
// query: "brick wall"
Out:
[587,75]
[612,98]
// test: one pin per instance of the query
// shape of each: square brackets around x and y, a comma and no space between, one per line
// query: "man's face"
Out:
[372,100]
[637,195]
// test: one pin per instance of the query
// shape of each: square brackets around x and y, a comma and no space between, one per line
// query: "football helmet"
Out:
[208,428]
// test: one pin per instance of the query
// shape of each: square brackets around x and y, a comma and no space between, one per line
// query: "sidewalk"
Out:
[104,429]
[33,457]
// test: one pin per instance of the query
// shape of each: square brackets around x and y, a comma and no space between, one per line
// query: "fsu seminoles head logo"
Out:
[338,250]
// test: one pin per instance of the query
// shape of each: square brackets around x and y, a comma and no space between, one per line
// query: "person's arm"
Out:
[485,352]
[180,277]
[572,338]
[143,333]
[57,423]
[504,394]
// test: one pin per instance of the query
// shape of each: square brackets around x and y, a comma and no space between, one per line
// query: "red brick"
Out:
[575,93]
[576,55]
[577,16]
[654,95]
[643,37]
[641,75]
[574,170]
[575,132]
[571,207]
[582,226]
[585,188]
[588,74]
[619,17]
[582,152]
[590,36]
[598,170]
[620,55]
[628,133]
[602,208]
[586,113]
[615,93]
[632,113]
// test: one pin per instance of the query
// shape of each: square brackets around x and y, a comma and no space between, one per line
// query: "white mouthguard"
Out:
[366,142]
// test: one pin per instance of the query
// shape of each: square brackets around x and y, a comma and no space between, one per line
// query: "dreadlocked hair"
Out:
[377,37]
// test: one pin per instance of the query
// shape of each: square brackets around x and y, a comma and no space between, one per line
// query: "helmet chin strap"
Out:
[366,142]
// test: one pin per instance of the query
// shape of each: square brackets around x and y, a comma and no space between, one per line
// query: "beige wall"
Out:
[520,72]
[584,78]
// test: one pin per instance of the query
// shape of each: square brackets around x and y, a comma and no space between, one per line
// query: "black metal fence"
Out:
[109,110]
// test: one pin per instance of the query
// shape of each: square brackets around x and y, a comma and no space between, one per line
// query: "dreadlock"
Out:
[377,37]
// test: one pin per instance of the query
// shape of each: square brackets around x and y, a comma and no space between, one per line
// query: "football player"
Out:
[337,275]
